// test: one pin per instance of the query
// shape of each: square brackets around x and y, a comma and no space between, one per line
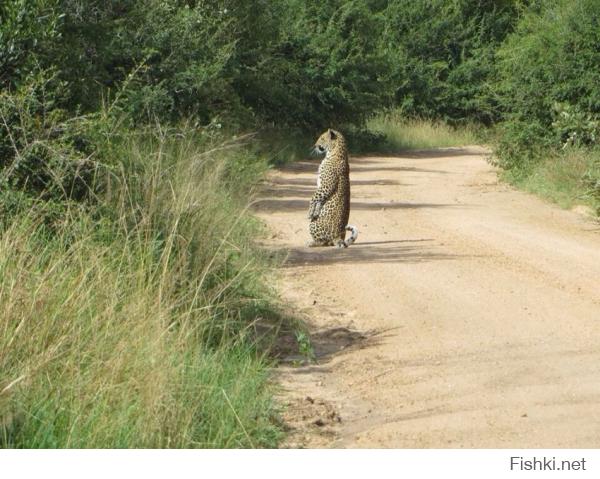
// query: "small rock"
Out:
[524,415]
[319,422]
[310,400]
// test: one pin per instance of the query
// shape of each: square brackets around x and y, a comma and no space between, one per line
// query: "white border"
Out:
[286,464]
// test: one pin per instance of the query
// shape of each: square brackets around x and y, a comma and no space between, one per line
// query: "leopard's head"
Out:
[327,141]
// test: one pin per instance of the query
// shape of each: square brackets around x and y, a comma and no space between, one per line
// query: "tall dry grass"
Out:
[128,325]
[409,133]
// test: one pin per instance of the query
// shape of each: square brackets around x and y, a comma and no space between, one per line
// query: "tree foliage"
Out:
[292,63]
[549,79]
[530,66]
[444,55]
[215,63]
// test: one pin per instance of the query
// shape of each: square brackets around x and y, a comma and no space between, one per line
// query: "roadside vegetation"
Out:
[568,178]
[401,133]
[549,92]
[133,135]
[129,322]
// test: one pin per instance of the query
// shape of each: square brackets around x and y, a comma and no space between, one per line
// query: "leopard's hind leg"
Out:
[318,236]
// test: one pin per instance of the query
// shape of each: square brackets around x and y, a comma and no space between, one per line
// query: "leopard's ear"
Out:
[332,134]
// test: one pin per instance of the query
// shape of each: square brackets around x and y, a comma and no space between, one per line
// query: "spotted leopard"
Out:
[330,204]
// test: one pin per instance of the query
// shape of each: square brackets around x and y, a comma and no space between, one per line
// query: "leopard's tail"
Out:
[353,235]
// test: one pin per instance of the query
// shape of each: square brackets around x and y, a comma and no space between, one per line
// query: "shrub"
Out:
[28,29]
[549,82]
[43,151]
[573,127]
[284,64]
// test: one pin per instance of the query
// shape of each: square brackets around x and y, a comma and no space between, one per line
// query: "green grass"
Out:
[410,134]
[130,323]
[568,178]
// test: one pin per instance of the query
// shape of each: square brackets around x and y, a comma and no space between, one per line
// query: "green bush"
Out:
[549,81]
[43,151]
[219,62]
[332,69]
[28,30]
[573,127]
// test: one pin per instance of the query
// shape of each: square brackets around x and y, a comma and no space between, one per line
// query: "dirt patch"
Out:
[310,422]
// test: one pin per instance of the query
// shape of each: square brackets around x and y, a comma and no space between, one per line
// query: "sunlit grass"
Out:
[408,134]
[568,178]
[132,328]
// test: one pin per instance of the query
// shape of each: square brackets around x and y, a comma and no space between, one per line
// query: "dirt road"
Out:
[467,314]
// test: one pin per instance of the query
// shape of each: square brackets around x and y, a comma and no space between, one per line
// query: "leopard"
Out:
[329,208]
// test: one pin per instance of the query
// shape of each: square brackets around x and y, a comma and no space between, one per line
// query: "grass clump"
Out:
[129,322]
[568,178]
[403,133]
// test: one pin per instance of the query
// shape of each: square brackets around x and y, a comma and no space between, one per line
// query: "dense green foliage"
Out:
[530,66]
[290,63]
[549,79]
[443,56]
[548,88]
[220,64]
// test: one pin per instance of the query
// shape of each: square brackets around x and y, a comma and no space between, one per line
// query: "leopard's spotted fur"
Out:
[330,205]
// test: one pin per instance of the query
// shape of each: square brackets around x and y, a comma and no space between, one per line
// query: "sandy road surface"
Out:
[466,315]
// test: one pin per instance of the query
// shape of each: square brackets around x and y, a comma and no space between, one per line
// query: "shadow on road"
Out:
[426,154]
[329,342]
[392,251]
[373,164]
[276,204]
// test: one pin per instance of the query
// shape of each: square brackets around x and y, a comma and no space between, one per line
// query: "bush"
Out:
[332,69]
[573,127]
[549,82]
[44,152]
[287,64]
[28,29]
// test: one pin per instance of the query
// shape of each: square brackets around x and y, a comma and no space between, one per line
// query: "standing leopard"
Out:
[330,205]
